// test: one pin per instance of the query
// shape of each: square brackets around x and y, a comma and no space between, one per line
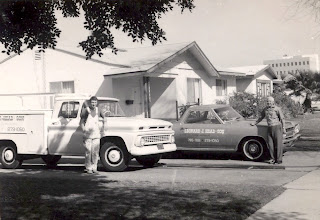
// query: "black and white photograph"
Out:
[160,109]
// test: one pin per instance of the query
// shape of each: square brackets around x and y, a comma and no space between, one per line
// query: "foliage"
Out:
[250,106]
[33,22]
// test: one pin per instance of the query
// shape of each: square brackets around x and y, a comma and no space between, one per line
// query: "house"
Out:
[257,80]
[226,85]
[149,81]
[159,77]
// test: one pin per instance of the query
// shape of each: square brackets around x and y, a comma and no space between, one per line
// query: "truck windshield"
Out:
[228,113]
[111,108]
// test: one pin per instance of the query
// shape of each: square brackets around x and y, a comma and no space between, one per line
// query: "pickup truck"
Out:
[50,134]
[212,128]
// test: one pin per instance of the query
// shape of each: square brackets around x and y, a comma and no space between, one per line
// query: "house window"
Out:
[291,63]
[308,62]
[276,65]
[62,87]
[263,88]
[221,87]
[272,65]
[193,90]
[304,63]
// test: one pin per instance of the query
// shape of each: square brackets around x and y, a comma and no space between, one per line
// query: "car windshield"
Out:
[228,113]
[111,108]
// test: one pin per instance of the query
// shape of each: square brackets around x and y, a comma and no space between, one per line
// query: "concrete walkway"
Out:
[300,201]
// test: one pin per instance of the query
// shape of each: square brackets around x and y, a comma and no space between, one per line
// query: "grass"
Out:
[83,197]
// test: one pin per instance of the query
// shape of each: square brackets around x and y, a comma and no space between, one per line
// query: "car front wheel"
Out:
[252,149]
[114,157]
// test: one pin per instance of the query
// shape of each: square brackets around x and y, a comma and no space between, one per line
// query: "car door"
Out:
[65,135]
[188,134]
[215,134]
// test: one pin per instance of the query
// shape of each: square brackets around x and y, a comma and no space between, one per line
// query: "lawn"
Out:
[309,123]
[83,197]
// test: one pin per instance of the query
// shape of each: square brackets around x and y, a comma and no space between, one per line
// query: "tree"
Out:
[33,22]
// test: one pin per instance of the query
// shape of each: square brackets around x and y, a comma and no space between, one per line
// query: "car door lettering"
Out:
[203,131]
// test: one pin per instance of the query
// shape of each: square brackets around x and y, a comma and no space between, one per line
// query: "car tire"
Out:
[9,157]
[149,160]
[114,157]
[253,149]
[51,160]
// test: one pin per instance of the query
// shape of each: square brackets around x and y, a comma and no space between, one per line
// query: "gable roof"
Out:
[147,59]
[251,71]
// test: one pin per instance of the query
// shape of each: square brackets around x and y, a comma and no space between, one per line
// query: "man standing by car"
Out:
[276,129]
[91,134]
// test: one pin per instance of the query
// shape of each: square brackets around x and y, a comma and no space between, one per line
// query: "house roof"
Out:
[251,71]
[229,72]
[147,59]
[140,59]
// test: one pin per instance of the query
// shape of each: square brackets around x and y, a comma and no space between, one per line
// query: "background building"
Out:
[293,64]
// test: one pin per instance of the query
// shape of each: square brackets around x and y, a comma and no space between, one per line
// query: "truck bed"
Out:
[26,128]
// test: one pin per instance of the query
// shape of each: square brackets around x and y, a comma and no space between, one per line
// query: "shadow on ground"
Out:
[32,194]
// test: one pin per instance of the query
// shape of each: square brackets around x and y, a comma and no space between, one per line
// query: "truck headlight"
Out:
[297,128]
[172,139]
[142,141]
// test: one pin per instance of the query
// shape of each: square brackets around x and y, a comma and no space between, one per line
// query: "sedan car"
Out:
[221,128]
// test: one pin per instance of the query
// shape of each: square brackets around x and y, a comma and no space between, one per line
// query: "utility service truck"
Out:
[50,134]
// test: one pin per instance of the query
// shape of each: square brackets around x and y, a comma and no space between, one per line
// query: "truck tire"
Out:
[253,149]
[114,157]
[149,160]
[51,160]
[9,158]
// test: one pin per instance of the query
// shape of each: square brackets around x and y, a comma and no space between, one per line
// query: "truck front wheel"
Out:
[114,157]
[9,157]
[51,160]
[149,160]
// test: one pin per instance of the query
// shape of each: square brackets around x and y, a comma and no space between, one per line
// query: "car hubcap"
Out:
[253,148]
[114,156]
[8,155]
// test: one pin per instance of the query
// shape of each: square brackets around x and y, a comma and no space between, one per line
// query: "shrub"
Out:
[250,106]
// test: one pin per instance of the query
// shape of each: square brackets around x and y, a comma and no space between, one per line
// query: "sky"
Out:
[230,32]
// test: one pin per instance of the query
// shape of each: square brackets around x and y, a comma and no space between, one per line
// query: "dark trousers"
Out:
[275,136]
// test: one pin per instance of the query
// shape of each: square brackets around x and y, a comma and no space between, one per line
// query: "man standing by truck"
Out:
[91,134]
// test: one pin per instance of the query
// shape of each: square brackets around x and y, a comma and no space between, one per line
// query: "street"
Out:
[181,188]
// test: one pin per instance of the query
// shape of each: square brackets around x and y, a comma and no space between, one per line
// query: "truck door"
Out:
[65,135]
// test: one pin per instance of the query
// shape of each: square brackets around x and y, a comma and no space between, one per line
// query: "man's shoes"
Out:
[95,171]
[278,162]
[271,161]
[88,171]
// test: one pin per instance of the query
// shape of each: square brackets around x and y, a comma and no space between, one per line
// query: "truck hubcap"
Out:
[8,155]
[114,156]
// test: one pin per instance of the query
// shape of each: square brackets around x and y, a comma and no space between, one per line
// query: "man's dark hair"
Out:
[93,98]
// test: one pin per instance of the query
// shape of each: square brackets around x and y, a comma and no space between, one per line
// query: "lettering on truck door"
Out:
[65,135]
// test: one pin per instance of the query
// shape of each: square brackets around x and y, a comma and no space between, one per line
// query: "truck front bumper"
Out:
[152,149]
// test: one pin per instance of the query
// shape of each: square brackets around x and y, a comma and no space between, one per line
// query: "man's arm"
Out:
[263,114]
[281,118]
[83,119]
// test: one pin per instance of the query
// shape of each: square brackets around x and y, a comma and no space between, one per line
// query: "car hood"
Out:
[247,122]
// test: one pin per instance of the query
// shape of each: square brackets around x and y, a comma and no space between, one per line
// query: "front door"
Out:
[65,136]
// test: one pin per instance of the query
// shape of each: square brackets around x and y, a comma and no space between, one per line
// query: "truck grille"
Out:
[157,139]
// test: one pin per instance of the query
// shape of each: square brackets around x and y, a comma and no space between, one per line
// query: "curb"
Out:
[309,138]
